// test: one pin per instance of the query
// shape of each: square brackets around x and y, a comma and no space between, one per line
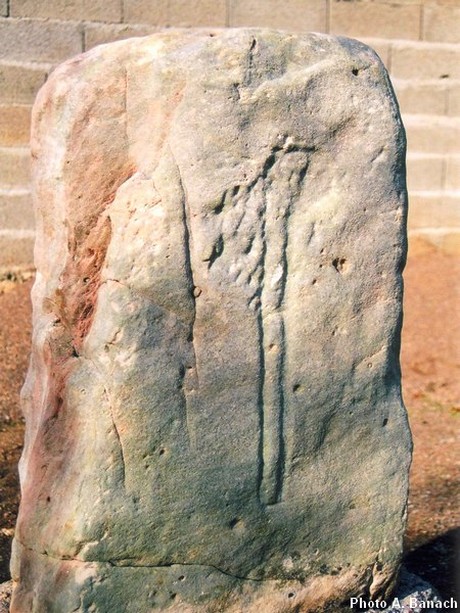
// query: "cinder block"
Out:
[425,240]
[425,60]
[417,2]
[38,40]
[154,12]
[426,97]
[195,13]
[102,33]
[436,2]
[288,15]
[453,172]
[14,166]
[425,172]
[442,23]
[16,248]
[432,134]
[364,19]
[453,99]
[89,10]
[14,125]
[381,47]
[16,210]
[20,82]
[433,210]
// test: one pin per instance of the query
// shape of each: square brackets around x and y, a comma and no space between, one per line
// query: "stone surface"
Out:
[214,417]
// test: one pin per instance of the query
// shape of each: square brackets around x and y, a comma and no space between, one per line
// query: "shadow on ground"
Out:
[438,562]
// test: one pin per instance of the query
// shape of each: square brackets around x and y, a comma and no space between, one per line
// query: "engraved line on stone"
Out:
[260,395]
[272,376]
[112,418]
[186,220]
[117,434]
[277,210]
[249,69]
[123,563]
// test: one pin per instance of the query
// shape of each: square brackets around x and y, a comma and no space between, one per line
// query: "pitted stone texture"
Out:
[214,418]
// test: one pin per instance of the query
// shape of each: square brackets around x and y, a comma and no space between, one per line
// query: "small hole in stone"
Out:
[212,35]
[313,282]
[181,578]
[296,387]
[291,595]
[234,522]
[339,264]
[48,499]
[385,421]
[355,71]
[445,76]
[162,451]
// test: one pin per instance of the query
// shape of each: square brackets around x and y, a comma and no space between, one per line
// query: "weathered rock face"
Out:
[214,418]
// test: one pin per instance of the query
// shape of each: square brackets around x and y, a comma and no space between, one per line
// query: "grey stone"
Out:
[213,406]
[5,596]
[413,595]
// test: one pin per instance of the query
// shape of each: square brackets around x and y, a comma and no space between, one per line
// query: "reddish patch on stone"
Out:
[76,299]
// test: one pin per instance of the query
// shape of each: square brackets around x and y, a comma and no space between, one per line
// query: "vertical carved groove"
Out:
[276,212]
[191,286]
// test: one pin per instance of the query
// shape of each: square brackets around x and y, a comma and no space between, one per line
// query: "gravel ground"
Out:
[431,384]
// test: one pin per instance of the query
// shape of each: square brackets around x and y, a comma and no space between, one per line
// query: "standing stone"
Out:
[213,406]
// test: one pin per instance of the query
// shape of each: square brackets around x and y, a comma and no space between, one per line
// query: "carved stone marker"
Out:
[214,417]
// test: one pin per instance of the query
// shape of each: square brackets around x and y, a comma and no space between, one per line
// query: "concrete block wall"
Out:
[418,40]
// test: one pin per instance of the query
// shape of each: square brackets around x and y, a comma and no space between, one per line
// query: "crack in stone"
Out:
[130,565]
[112,418]
[120,564]
[186,220]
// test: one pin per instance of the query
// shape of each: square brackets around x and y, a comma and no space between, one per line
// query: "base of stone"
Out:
[413,595]
[411,589]
[74,586]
